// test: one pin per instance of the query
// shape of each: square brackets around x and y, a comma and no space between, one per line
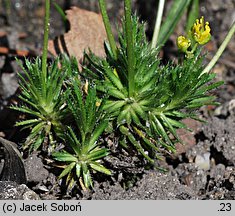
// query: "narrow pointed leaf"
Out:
[100,168]
[64,156]
[67,170]
[175,13]
[28,122]
[78,170]
[86,176]
[97,154]
[97,132]
[74,142]
[136,144]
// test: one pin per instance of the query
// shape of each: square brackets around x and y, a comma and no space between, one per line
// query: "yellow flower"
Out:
[97,103]
[201,31]
[183,43]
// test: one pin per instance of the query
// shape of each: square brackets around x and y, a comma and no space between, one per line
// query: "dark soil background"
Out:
[203,169]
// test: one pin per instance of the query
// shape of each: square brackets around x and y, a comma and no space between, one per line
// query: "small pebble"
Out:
[203,161]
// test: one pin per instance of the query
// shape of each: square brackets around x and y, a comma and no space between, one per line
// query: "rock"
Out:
[8,85]
[34,169]
[226,109]
[203,161]
[2,61]
[13,167]
[12,191]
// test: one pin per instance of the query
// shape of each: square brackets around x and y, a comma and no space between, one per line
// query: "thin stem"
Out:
[130,48]
[190,54]
[220,50]
[108,27]
[45,39]
[8,7]
[158,23]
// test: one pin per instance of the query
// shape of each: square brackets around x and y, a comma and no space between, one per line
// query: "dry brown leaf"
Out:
[187,137]
[87,31]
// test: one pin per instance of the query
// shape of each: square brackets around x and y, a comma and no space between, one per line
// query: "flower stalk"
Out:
[220,50]
[130,48]
[158,23]
[108,27]
[45,41]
